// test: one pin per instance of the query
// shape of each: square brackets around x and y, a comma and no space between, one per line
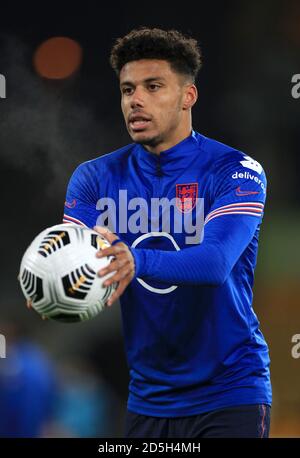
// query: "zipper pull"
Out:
[159,172]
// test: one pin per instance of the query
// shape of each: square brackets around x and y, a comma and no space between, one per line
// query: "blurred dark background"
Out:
[48,126]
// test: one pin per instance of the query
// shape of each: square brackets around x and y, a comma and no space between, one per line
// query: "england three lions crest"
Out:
[186,195]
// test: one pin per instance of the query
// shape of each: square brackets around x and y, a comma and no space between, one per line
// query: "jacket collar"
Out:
[171,160]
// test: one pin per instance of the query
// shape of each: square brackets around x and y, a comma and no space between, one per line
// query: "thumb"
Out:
[106,233]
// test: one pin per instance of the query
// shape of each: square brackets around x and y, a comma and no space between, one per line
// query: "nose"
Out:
[137,99]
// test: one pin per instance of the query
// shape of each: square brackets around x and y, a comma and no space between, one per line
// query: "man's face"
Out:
[152,95]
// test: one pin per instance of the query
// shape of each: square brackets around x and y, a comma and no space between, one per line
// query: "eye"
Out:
[127,90]
[153,87]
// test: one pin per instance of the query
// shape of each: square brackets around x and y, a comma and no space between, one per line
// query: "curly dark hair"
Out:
[182,52]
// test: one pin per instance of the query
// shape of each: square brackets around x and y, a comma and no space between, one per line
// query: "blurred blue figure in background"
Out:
[27,387]
[42,398]
[83,403]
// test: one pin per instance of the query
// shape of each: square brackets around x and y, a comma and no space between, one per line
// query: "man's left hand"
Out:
[122,265]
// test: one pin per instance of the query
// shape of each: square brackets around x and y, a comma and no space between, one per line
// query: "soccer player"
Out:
[199,364]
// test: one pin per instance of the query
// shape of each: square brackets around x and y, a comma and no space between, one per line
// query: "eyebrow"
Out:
[147,80]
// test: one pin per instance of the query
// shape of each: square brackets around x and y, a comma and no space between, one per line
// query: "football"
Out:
[58,273]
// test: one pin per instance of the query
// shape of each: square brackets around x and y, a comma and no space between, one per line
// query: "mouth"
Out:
[138,123]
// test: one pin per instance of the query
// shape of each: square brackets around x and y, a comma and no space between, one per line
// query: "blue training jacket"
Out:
[192,338]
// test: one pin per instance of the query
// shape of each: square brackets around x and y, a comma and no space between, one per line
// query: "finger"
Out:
[119,291]
[112,250]
[29,304]
[110,236]
[102,230]
[118,276]
[115,265]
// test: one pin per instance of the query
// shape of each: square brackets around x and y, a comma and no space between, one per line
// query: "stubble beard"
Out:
[151,141]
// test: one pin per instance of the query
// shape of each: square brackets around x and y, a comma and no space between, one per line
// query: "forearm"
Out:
[207,264]
[204,265]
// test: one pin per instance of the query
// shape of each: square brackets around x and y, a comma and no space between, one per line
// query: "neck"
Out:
[168,143]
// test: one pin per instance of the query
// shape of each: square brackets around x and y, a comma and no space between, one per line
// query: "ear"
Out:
[190,96]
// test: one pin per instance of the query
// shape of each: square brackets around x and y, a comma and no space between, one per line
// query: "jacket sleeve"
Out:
[230,225]
[81,197]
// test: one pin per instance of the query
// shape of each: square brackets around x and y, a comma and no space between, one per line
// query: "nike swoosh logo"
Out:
[239,192]
[71,204]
